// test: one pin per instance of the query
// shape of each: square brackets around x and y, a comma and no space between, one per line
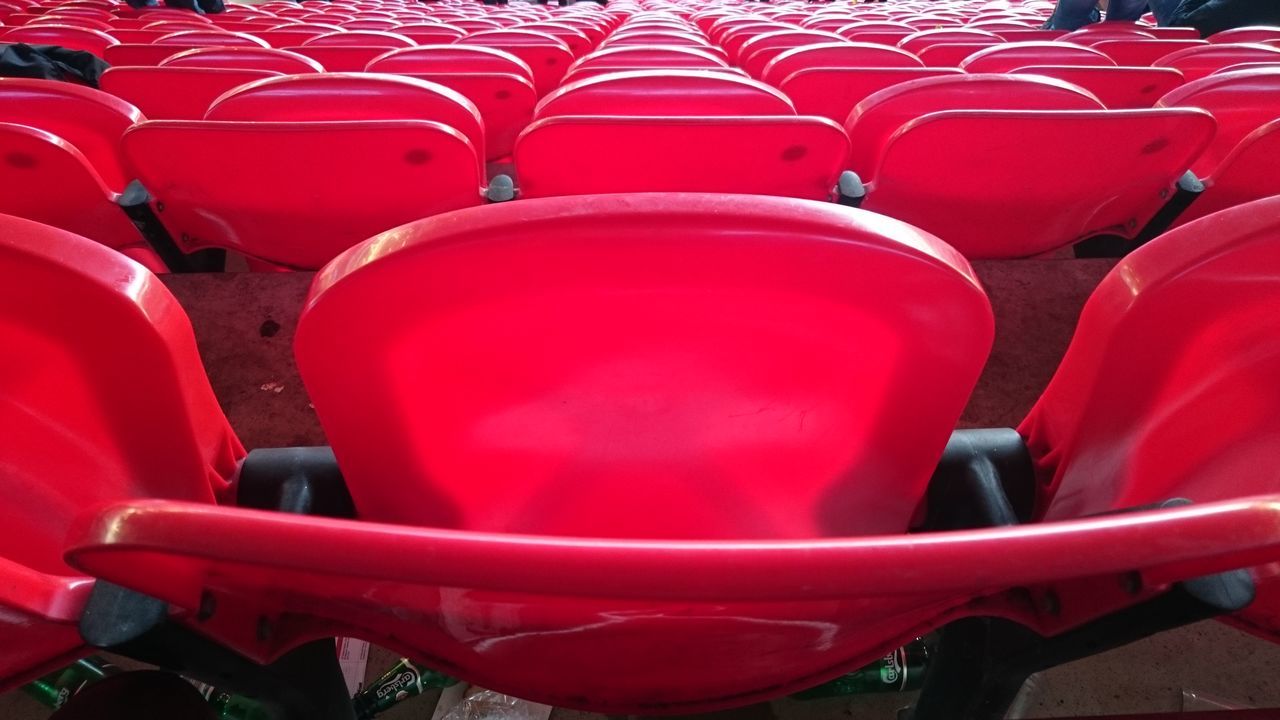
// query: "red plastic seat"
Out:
[244,58]
[1241,102]
[1255,34]
[1197,62]
[547,56]
[757,52]
[106,401]
[316,187]
[142,55]
[154,89]
[843,54]
[1142,53]
[1030,35]
[993,193]
[1008,57]
[950,55]
[67,36]
[946,36]
[833,92]
[699,93]
[424,34]
[210,38]
[579,44]
[1089,37]
[360,38]
[450,59]
[644,57]
[370,24]
[1119,88]
[779,155]
[1194,311]
[1247,173]
[619,488]
[286,37]
[329,97]
[875,120]
[71,21]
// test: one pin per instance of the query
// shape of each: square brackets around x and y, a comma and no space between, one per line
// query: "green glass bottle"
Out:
[406,680]
[231,707]
[53,690]
[899,671]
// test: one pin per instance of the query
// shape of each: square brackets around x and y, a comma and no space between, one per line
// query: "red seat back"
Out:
[842,54]
[787,156]
[833,92]
[1255,34]
[547,56]
[331,97]
[107,401]
[617,415]
[1004,58]
[1241,102]
[1197,62]
[946,36]
[1141,53]
[1119,88]
[132,54]
[210,38]
[91,120]
[244,58]
[450,59]
[152,89]
[1157,396]
[361,39]
[317,187]
[67,36]
[644,57]
[1012,203]
[875,120]
[701,93]
[759,50]
[505,103]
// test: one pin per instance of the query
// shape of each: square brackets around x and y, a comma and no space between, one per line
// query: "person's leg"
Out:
[1126,10]
[1073,14]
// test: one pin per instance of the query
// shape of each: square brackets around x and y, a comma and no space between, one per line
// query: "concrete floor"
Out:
[1220,665]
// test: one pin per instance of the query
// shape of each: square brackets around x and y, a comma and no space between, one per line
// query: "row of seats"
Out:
[734,399]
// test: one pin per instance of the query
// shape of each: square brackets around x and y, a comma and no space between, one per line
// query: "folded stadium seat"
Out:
[334,156]
[172,26]
[1240,101]
[370,24]
[1195,63]
[646,57]
[662,39]
[577,41]
[137,54]
[286,37]
[316,188]
[1247,66]
[210,38]
[1029,35]
[1173,33]
[107,400]
[943,36]
[950,55]
[62,143]
[841,54]
[244,58]
[665,93]
[431,34]
[1093,37]
[137,37]
[609,526]
[732,40]
[1192,420]
[781,155]
[1007,57]
[175,93]
[757,52]
[1005,131]
[1139,53]
[548,56]
[498,83]
[360,38]
[329,97]
[1255,34]
[1247,173]
[833,92]
[1119,88]
[879,37]
[71,21]
[67,36]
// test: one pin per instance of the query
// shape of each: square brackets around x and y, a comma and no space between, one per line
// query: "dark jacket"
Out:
[1211,16]
[50,62]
